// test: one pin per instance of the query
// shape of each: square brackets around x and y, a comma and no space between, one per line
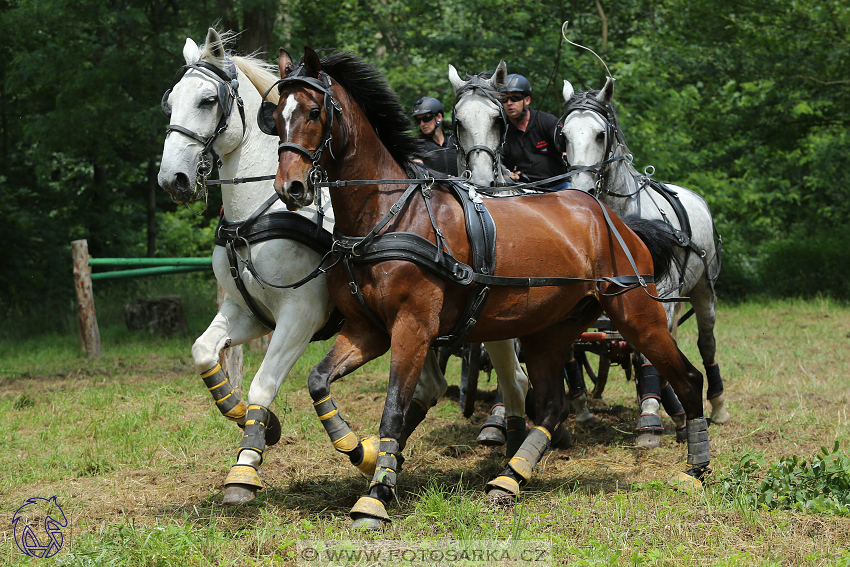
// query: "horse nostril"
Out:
[296,190]
[181,182]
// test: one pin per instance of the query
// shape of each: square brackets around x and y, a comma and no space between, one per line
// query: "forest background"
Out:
[747,102]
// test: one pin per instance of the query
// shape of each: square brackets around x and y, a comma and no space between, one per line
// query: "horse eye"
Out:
[314,114]
[600,137]
[209,101]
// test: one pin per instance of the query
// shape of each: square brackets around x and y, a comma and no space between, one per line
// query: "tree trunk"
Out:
[257,27]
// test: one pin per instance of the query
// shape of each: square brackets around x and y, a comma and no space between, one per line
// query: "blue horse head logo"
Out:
[38,527]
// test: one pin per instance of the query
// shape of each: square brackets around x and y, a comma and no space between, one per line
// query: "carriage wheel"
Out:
[470,368]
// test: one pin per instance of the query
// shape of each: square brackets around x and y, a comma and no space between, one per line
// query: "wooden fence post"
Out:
[231,358]
[89,332]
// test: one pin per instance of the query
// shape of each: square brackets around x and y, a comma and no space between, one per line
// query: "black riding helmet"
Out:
[427,104]
[516,84]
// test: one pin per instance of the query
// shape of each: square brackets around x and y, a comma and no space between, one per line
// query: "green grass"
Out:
[137,455]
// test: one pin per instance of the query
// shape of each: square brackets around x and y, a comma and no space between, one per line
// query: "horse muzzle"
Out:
[179,187]
[295,195]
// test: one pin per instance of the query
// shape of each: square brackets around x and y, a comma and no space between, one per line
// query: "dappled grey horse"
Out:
[596,150]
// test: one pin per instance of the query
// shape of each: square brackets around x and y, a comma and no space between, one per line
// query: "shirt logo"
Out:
[542,146]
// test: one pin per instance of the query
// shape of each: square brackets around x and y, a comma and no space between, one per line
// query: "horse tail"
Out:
[660,241]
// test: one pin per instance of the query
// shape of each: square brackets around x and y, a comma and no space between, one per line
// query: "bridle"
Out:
[228,93]
[265,119]
[476,84]
[613,137]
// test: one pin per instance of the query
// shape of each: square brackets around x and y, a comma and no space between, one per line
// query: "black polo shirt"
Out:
[440,158]
[533,152]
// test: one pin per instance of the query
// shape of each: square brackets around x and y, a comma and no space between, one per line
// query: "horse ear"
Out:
[214,44]
[568,90]
[284,63]
[499,76]
[454,78]
[191,53]
[606,95]
[312,61]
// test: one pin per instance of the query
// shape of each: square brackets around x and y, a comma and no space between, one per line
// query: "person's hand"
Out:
[515,175]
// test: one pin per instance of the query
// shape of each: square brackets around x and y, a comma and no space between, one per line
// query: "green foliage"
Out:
[745,102]
[819,487]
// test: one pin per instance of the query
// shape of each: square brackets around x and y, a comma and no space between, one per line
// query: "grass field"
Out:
[136,453]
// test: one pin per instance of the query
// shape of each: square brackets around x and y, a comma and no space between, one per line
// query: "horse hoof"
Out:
[499,497]
[585,417]
[721,417]
[369,523]
[691,479]
[236,494]
[649,440]
[491,437]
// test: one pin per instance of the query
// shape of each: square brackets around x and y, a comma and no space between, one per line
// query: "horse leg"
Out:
[545,357]
[643,322]
[578,388]
[430,388]
[703,298]
[508,419]
[408,353]
[262,427]
[231,326]
[354,346]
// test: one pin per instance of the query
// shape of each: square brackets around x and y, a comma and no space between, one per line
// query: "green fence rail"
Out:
[155,266]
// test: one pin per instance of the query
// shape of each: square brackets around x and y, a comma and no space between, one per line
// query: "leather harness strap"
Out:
[481,230]
[261,226]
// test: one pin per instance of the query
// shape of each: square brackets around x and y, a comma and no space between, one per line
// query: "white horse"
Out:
[481,125]
[596,149]
[213,106]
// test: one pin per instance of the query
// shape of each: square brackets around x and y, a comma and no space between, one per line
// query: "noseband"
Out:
[228,92]
[476,84]
[322,84]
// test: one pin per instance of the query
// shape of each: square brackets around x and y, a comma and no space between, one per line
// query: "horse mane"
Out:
[261,73]
[368,87]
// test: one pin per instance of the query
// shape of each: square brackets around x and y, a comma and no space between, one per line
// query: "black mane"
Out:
[367,85]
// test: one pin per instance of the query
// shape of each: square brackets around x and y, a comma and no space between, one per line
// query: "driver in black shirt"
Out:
[440,153]
[530,152]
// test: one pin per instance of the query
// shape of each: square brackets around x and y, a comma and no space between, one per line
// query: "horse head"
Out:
[480,124]
[304,121]
[589,132]
[201,105]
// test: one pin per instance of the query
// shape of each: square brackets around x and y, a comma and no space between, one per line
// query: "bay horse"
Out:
[480,127]
[212,107]
[406,267]
[597,152]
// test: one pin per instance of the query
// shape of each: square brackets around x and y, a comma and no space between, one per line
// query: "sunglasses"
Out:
[516,97]
[426,118]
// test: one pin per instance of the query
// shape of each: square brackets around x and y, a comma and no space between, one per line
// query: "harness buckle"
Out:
[352,287]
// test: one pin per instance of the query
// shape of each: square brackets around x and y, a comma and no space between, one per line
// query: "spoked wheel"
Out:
[470,368]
